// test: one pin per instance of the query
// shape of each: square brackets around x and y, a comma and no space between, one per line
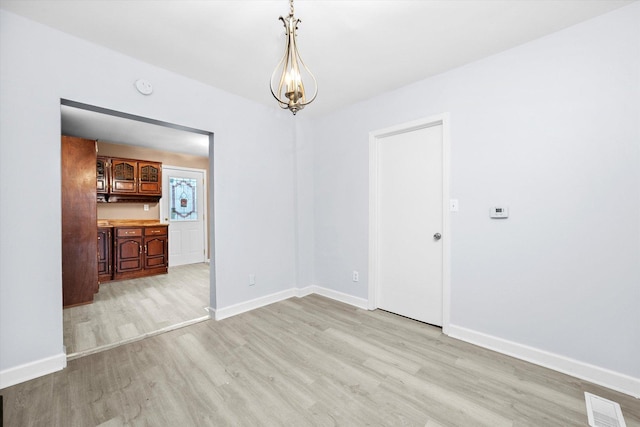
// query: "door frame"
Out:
[205,204]
[375,138]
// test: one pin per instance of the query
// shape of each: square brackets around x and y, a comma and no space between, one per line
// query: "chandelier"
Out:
[287,85]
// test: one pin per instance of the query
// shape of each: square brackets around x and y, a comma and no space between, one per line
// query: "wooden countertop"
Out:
[129,222]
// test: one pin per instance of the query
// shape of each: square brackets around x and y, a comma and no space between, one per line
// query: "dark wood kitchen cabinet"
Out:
[103,176]
[124,176]
[150,178]
[128,180]
[128,252]
[140,251]
[105,254]
[78,199]
[156,247]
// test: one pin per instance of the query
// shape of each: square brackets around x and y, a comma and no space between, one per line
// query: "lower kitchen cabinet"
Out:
[128,252]
[140,251]
[156,247]
[105,255]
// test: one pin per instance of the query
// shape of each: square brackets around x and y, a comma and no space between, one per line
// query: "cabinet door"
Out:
[124,176]
[102,175]
[150,178]
[128,252]
[155,252]
[104,254]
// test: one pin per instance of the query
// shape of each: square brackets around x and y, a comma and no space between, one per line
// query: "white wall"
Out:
[304,202]
[551,128]
[252,170]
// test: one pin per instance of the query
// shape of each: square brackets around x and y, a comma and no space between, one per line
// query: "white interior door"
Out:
[410,224]
[183,207]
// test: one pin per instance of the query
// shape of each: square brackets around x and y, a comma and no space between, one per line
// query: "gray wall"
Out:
[550,128]
[253,165]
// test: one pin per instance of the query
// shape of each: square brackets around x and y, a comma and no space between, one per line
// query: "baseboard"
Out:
[338,296]
[303,292]
[601,376]
[243,307]
[29,371]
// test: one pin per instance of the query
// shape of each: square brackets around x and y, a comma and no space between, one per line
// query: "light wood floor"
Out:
[304,362]
[127,310]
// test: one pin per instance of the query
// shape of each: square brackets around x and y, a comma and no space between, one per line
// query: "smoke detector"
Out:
[144,87]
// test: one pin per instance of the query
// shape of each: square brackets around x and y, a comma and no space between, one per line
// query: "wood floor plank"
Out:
[127,309]
[303,362]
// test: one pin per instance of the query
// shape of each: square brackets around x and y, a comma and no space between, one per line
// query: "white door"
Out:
[410,224]
[183,207]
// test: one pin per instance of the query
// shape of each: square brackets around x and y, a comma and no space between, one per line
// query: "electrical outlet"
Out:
[252,279]
[355,276]
[146,207]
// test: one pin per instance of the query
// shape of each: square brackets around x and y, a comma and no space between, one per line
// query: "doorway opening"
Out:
[128,310]
[409,231]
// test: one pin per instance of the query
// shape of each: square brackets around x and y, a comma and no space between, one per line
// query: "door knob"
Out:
[437,236]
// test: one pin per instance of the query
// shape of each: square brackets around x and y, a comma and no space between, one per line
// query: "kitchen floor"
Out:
[128,310]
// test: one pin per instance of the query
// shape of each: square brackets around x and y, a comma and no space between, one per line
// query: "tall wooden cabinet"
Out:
[79,261]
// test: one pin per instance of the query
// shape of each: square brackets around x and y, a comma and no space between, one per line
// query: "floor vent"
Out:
[603,412]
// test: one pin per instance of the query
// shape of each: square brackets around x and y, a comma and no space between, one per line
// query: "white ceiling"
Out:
[356,48]
[115,129]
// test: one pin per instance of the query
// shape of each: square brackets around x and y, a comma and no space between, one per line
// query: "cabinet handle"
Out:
[145,249]
[140,248]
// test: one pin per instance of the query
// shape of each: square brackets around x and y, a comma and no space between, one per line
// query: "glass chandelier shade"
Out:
[289,78]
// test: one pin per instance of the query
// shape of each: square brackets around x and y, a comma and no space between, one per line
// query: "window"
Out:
[183,203]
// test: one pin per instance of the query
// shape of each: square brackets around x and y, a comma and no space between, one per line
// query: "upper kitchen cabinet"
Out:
[102,178]
[124,176]
[150,178]
[128,180]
